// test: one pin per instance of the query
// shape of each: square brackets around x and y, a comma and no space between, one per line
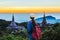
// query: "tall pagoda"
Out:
[44,21]
[13,27]
[13,24]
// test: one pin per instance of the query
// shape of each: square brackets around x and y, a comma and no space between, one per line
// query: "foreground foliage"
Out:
[49,33]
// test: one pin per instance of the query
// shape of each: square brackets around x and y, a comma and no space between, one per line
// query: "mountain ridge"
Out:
[49,19]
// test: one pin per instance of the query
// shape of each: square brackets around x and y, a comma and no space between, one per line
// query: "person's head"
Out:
[32,19]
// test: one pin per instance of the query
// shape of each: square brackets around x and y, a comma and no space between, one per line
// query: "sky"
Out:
[29,5]
[26,16]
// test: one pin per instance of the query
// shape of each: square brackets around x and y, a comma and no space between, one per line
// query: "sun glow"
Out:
[29,9]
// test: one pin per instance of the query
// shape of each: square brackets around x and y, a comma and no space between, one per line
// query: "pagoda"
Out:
[44,21]
[13,27]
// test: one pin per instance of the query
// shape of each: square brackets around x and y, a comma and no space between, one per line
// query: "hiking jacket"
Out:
[29,30]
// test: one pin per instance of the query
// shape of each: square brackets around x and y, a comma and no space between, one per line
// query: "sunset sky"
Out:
[29,5]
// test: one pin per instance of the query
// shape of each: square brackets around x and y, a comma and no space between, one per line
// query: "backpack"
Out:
[36,33]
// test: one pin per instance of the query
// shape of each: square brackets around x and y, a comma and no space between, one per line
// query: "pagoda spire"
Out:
[13,17]
[13,24]
[44,20]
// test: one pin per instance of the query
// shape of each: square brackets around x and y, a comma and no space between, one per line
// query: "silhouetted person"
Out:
[30,27]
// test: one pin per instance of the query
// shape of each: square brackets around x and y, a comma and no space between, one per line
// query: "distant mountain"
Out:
[49,19]
[58,20]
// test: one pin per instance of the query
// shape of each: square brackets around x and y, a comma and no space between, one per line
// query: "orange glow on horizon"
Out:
[23,10]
